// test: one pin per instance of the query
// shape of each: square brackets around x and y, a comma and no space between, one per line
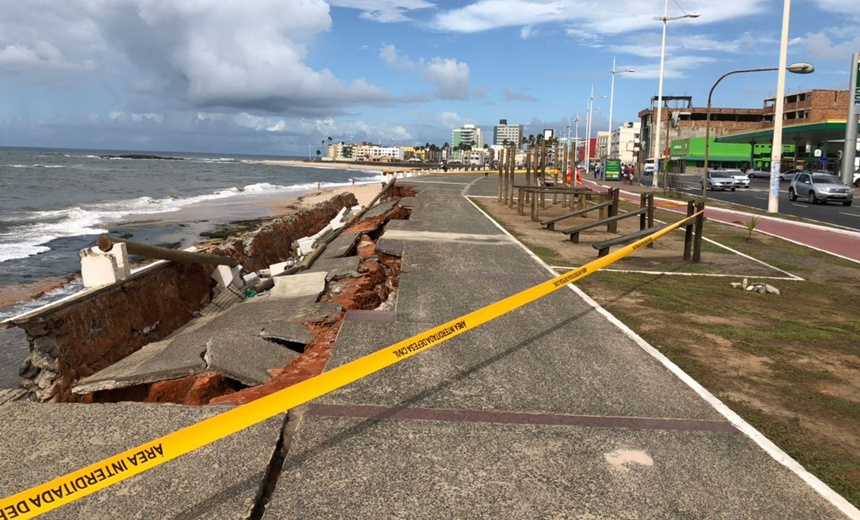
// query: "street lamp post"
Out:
[795,68]
[614,71]
[778,110]
[658,152]
[588,130]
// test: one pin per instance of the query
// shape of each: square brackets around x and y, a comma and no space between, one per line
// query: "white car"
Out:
[741,179]
[758,174]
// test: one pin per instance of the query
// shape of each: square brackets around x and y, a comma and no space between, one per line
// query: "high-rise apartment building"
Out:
[503,132]
[468,134]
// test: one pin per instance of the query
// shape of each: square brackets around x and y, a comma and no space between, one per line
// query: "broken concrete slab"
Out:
[298,285]
[233,340]
[226,299]
[380,209]
[221,480]
[346,267]
[287,333]
[341,246]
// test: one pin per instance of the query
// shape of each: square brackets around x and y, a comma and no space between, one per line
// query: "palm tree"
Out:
[319,153]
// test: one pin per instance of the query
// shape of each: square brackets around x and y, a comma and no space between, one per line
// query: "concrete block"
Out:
[251,279]
[306,245]
[297,285]
[227,276]
[279,268]
[98,268]
[120,252]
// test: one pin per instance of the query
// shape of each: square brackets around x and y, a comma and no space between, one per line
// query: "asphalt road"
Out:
[756,197]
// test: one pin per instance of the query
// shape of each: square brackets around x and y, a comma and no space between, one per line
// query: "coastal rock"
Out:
[43,361]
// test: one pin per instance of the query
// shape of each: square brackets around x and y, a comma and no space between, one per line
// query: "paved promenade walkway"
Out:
[555,410]
[552,411]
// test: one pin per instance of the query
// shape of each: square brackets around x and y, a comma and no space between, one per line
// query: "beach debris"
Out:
[104,267]
[758,287]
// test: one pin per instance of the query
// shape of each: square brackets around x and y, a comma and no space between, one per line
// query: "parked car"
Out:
[720,180]
[857,179]
[741,179]
[788,175]
[758,174]
[820,187]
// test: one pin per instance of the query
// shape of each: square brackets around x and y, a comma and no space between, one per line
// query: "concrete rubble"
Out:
[758,287]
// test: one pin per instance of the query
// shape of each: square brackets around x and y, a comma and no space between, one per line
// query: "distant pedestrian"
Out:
[318,185]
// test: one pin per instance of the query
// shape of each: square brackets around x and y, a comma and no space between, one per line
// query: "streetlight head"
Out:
[693,15]
[801,68]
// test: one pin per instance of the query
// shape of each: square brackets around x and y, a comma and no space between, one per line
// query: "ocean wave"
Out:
[30,231]
[34,165]
[21,241]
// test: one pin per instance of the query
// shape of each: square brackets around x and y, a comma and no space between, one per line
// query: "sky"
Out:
[278,77]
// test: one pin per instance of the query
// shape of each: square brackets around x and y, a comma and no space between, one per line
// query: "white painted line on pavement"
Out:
[849,214]
[763,442]
[675,273]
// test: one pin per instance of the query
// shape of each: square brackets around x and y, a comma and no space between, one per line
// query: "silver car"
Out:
[720,180]
[820,187]
[741,179]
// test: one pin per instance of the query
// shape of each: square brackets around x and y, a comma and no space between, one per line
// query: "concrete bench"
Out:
[603,247]
[550,224]
[575,231]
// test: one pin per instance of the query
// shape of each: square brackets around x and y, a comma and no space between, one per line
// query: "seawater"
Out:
[55,202]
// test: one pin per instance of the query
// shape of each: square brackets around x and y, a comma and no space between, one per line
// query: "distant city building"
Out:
[340,152]
[502,132]
[468,134]
[624,142]
[602,145]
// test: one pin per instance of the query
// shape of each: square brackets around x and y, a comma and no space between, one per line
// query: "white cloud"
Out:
[822,47]
[589,16]
[384,11]
[389,55]
[512,95]
[206,53]
[451,78]
[849,7]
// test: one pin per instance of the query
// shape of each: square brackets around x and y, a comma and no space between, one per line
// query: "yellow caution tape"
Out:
[78,484]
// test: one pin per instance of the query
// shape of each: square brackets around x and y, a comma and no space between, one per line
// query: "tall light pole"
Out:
[796,68]
[658,152]
[575,140]
[614,71]
[778,111]
[588,130]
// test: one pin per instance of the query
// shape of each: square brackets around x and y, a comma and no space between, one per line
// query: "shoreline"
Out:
[185,226]
[365,166]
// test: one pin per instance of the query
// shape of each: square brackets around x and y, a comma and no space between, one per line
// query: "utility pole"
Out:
[849,150]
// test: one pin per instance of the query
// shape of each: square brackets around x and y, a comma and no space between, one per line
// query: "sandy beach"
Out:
[358,166]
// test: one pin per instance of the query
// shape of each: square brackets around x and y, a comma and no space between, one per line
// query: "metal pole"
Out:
[779,110]
[588,133]
[849,152]
[658,152]
[611,98]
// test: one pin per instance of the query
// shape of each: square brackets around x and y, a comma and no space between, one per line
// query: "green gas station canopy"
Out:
[815,134]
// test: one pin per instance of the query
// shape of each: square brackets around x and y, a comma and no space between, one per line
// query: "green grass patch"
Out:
[838,468]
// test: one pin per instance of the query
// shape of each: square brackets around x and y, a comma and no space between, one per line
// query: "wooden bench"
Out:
[550,224]
[574,231]
[603,247]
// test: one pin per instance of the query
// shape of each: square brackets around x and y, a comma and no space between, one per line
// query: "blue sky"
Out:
[273,76]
